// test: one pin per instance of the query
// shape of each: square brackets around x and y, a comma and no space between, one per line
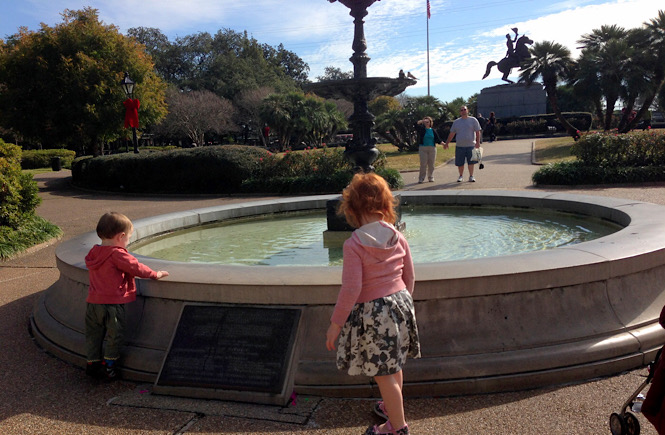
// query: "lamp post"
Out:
[131,108]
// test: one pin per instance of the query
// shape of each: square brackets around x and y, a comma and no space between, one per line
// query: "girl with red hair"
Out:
[374,320]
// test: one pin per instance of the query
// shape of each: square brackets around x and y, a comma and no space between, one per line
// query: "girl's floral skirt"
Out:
[378,336]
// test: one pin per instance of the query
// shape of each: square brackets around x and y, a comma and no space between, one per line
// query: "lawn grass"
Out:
[37,171]
[403,161]
[552,150]
[33,231]
[410,161]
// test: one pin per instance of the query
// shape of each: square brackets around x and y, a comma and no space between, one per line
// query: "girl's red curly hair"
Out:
[368,194]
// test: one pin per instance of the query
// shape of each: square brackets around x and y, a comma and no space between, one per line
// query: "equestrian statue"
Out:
[514,56]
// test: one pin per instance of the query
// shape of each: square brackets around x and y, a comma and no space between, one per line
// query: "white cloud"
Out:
[568,26]
[463,60]
[321,33]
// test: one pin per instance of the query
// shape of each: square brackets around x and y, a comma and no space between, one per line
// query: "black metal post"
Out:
[135,140]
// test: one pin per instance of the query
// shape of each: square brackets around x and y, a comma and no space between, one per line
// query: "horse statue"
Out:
[513,59]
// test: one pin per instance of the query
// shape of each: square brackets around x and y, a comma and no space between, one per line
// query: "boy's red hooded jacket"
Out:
[112,271]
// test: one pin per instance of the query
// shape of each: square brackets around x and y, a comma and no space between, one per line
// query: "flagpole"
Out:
[427,17]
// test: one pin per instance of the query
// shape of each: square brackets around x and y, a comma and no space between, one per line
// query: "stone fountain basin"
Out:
[486,325]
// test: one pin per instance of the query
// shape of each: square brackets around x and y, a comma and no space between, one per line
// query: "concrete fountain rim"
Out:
[642,233]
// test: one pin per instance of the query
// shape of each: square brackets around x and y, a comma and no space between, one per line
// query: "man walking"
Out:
[467,130]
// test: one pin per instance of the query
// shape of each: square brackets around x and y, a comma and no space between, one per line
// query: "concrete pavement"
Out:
[44,395]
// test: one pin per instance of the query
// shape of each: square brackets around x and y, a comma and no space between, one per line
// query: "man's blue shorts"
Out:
[463,154]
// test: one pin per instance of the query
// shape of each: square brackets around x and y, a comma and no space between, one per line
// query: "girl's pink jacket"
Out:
[112,271]
[377,263]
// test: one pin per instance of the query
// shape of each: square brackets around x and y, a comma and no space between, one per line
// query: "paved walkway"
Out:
[40,394]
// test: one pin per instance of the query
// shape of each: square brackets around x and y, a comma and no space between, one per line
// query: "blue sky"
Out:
[463,35]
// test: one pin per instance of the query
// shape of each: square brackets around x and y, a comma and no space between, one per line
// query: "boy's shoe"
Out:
[380,410]
[94,369]
[111,374]
[460,179]
[472,179]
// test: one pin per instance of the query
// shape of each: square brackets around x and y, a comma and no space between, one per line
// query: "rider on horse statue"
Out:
[514,56]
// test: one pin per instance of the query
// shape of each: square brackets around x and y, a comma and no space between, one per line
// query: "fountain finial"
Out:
[355,3]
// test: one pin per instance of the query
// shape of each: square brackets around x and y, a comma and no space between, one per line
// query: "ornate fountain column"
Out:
[360,150]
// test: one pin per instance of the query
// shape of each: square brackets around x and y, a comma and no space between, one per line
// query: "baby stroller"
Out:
[625,422]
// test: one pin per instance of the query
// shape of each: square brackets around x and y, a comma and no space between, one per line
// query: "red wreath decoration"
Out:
[132,112]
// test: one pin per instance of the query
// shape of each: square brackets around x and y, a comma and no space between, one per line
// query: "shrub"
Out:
[392,176]
[223,169]
[572,173]
[605,158]
[325,161]
[35,159]
[18,191]
[320,171]
[612,150]
[215,169]
[526,126]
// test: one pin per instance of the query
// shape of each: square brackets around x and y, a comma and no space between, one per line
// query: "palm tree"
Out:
[276,111]
[390,126]
[655,53]
[638,75]
[605,60]
[551,62]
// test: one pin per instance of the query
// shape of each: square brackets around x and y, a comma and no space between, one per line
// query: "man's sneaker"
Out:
[472,179]
[460,179]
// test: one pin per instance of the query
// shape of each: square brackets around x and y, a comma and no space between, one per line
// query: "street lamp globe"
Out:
[128,86]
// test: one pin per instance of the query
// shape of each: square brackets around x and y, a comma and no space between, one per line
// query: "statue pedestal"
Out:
[337,223]
[513,100]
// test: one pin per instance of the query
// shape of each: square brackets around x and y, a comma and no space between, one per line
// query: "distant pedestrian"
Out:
[427,140]
[491,127]
[266,135]
[483,123]
[467,130]
[112,270]
[374,319]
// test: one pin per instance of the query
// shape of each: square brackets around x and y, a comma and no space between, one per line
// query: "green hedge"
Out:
[215,169]
[35,159]
[315,183]
[609,158]
[311,171]
[18,191]
[615,150]
[222,169]
[573,173]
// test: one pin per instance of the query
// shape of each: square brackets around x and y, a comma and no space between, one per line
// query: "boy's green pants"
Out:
[104,320]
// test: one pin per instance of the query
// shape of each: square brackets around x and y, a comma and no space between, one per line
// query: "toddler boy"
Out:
[112,271]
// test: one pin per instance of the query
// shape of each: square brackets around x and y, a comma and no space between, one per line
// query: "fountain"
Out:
[489,324]
[360,150]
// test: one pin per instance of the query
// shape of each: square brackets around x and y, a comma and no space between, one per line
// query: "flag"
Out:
[429,13]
